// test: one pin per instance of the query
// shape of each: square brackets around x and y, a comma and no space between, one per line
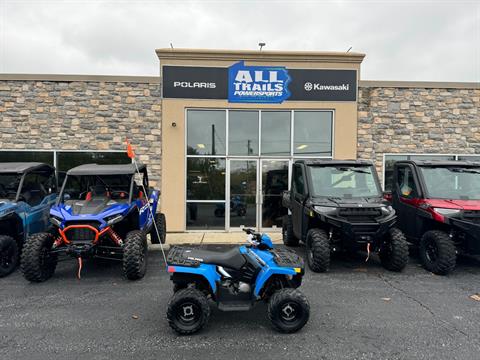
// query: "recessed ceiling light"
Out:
[301,147]
[201,146]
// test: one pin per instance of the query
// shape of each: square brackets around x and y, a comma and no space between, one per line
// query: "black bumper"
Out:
[472,232]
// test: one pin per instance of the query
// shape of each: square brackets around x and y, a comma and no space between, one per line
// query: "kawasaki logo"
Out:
[308,86]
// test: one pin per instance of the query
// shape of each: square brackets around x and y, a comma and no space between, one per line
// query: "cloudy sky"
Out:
[404,40]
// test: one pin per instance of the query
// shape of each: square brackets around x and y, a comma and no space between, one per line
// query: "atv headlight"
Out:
[444,211]
[325,209]
[56,221]
[110,220]
[386,210]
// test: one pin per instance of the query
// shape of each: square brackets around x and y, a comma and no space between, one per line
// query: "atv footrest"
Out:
[235,305]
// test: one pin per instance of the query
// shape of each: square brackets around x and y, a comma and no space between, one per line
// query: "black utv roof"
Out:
[442,163]
[23,167]
[96,169]
[330,162]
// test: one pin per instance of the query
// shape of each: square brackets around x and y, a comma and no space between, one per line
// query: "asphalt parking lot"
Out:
[358,311]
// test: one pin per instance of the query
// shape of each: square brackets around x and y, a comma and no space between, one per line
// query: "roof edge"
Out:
[83,78]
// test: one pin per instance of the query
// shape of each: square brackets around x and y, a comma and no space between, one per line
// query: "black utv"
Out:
[338,206]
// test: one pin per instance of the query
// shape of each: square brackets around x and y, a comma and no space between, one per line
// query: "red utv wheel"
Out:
[437,252]
[37,262]
[8,255]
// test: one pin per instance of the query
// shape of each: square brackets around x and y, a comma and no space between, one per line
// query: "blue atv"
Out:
[102,212]
[236,280]
[27,191]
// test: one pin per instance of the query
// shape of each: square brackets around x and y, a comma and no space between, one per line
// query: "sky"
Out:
[403,40]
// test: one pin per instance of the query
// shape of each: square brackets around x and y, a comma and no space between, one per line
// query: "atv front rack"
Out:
[287,258]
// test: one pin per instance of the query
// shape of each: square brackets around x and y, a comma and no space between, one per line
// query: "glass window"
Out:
[469,158]
[243,132]
[452,182]
[34,188]
[70,159]
[205,216]
[312,133]
[206,134]
[388,175]
[205,179]
[406,182]
[276,133]
[27,156]
[298,180]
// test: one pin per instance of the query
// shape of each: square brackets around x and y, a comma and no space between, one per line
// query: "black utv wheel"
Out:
[135,255]
[287,231]
[8,255]
[188,311]
[437,252]
[288,310]
[37,262]
[318,250]
[394,251]
[161,223]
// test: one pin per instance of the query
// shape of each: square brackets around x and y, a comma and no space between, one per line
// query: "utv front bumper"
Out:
[471,231]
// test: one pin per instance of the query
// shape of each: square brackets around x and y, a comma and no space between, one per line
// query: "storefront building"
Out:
[219,130]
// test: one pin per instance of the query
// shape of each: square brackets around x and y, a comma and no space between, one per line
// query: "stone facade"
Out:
[83,115]
[417,120]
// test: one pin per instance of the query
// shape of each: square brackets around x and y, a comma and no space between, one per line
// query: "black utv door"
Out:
[298,199]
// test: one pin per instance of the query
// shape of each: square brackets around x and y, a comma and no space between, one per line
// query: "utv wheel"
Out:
[135,255]
[188,311]
[288,310]
[8,255]
[318,250]
[437,252]
[37,262]
[394,251]
[161,223]
[287,231]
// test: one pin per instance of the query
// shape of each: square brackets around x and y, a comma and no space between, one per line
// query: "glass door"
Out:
[274,180]
[241,209]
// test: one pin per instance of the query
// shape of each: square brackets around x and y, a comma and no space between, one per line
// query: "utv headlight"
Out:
[110,220]
[325,209]
[443,211]
[56,221]
[386,210]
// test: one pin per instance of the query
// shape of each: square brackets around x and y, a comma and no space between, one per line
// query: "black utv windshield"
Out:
[344,181]
[461,183]
[9,186]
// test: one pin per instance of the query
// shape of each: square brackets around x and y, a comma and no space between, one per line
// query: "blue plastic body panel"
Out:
[209,272]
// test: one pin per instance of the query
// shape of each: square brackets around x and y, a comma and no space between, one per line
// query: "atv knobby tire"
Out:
[394,251]
[161,223]
[318,250]
[135,255]
[8,255]
[437,252]
[37,262]
[287,231]
[288,310]
[188,311]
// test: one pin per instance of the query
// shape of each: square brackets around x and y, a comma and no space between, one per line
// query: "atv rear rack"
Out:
[178,256]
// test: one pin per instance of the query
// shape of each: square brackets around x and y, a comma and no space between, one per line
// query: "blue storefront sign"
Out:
[257,84]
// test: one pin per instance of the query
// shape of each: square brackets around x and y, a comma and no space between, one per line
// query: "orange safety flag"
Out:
[130,152]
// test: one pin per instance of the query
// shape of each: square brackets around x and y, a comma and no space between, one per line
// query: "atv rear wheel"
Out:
[437,252]
[188,311]
[318,250]
[287,231]
[8,255]
[288,310]
[135,255]
[161,223]
[37,262]
[394,251]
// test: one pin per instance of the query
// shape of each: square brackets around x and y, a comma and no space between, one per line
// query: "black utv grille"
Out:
[81,234]
[359,214]
[472,216]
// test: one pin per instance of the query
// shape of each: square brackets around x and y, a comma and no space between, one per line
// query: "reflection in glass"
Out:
[205,179]
[68,160]
[312,133]
[274,182]
[243,132]
[276,133]
[206,132]
[27,156]
[205,216]
[243,188]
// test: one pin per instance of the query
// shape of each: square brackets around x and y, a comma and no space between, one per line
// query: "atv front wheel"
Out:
[135,255]
[318,250]
[394,251]
[437,252]
[188,311]
[288,310]
[161,223]
[37,262]
[8,255]
[287,231]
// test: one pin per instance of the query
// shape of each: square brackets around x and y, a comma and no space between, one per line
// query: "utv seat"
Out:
[230,259]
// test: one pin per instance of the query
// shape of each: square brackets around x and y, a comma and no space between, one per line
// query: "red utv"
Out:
[438,208]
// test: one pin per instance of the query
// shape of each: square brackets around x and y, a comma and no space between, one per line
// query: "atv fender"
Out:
[209,272]
[267,272]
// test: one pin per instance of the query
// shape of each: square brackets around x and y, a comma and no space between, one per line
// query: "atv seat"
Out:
[230,259]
